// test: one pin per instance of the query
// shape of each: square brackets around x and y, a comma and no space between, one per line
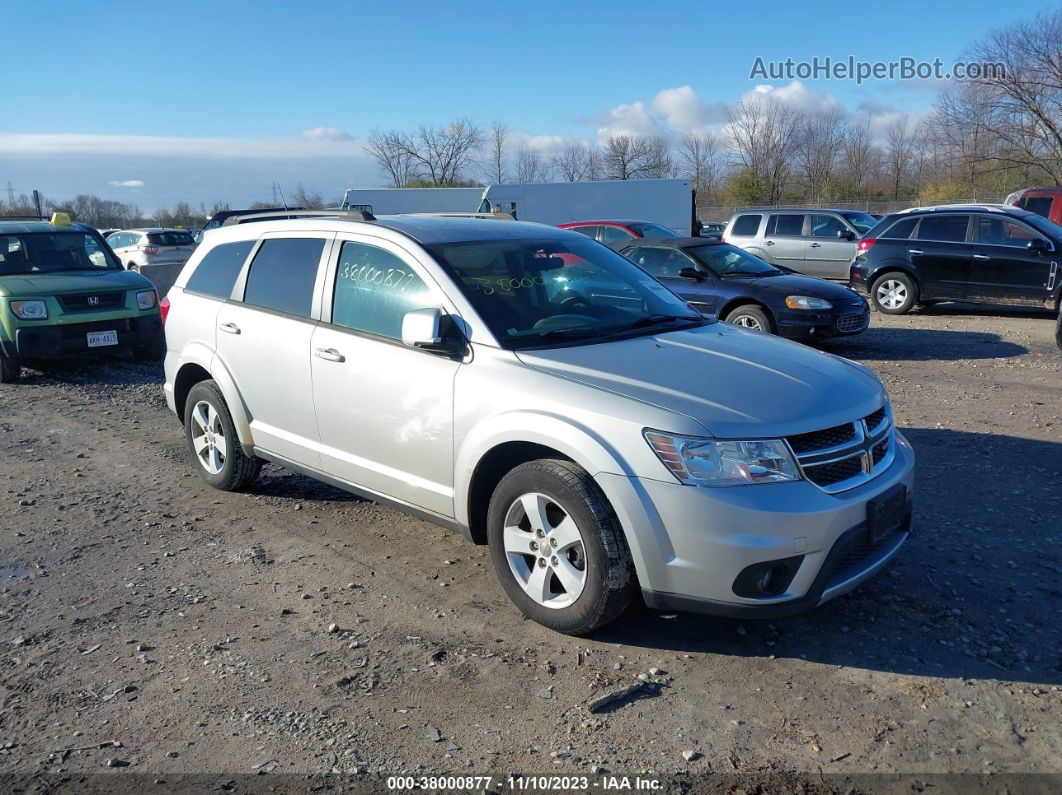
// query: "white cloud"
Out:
[58,144]
[629,119]
[682,109]
[126,183]
[796,94]
[326,134]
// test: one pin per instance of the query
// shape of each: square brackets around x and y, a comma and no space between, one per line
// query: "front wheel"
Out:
[10,369]
[894,293]
[212,440]
[557,547]
[750,316]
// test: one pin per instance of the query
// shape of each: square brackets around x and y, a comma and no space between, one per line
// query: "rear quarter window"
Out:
[217,271]
[746,225]
[900,230]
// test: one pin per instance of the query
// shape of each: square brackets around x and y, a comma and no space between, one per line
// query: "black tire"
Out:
[905,284]
[132,266]
[237,470]
[609,572]
[151,353]
[10,369]
[748,314]
[1058,330]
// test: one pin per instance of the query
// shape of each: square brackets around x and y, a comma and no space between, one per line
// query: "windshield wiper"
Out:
[575,332]
[656,320]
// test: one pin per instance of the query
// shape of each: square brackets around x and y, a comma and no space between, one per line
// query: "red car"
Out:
[618,234]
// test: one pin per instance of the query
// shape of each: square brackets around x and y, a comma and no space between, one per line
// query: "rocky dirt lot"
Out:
[151,626]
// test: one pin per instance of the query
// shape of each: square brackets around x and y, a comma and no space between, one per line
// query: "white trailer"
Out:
[670,202]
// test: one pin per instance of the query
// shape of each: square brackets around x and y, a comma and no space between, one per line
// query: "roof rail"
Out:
[992,208]
[23,218]
[488,216]
[284,215]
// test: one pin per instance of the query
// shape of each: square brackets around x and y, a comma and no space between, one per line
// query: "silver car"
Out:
[816,242]
[156,246]
[537,392]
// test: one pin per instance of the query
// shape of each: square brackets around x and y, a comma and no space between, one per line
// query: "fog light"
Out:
[771,579]
[766,579]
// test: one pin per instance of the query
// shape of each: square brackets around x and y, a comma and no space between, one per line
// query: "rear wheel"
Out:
[10,369]
[212,440]
[894,293]
[750,316]
[557,547]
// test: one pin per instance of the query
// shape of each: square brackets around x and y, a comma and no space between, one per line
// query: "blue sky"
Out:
[224,97]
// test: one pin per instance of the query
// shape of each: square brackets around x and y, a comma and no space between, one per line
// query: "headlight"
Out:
[30,310]
[146,299]
[806,302]
[708,462]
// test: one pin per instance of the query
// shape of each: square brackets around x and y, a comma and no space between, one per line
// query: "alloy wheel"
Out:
[892,294]
[747,321]
[545,551]
[208,437]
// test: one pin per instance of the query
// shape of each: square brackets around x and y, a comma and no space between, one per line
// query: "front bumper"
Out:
[66,339]
[803,325]
[690,544]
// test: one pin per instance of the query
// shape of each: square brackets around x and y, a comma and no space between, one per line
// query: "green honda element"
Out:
[64,293]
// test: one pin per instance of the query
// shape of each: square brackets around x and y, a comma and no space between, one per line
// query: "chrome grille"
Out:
[844,456]
[853,322]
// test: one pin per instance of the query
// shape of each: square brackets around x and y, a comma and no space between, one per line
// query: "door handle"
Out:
[815,245]
[230,328]
[915,251]
[981,257]
[329,355]
[769,243]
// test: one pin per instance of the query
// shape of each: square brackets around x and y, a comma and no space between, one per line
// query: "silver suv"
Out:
[816,242]
[137,248]
[537,392]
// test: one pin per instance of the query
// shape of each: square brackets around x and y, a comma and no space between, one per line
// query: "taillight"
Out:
[150,250]
[164,308]
[722,238]
[864,245]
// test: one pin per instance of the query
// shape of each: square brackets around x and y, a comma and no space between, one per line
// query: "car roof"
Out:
[761,210]
[152,229]
[26,227]
[426,230]
[620,221]
[676,242]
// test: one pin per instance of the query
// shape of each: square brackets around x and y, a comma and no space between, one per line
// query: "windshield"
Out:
[727,260]
[863,222]
[53,252]
[548,291]
[651,230]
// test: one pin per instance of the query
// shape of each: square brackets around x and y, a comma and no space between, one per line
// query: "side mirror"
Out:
[1038,245]
[691,273]
[422,328]
[844,234]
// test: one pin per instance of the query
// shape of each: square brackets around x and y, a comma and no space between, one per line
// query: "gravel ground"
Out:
[146,619]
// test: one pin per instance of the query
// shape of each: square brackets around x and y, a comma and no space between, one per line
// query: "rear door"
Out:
[785,240]
[827,255]
[263,340]
[942,255]
[1004,269]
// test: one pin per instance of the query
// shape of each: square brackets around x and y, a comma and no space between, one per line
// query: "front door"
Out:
[264,343]
[384,411]
[1005,270]
[941,255]
[827,255]
[785,241]
[666,264]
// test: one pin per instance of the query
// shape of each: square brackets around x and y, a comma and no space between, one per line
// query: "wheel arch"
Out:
[200,365]
[734,303]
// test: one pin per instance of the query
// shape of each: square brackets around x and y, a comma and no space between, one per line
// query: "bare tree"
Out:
[497,137]
[570,163]
[530,165]
[817,150]
[899,148]
[443,153]
[764,135]
[860,159]
[302,197]
[636,157]
[700,161]
[390,153]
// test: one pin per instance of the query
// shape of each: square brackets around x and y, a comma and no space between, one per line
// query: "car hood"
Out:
[736,383]
[39,285]
[796,284]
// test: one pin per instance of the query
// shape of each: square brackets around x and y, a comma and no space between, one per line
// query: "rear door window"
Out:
[789,225]
[746,225]
[217,271]
[283,275]
[944,228]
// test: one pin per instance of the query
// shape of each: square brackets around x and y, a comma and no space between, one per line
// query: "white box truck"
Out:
[670,202]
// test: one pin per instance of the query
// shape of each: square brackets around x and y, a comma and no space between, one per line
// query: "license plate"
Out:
[886,512]
[100,339]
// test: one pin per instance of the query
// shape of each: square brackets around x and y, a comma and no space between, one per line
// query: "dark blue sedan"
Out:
[723,280]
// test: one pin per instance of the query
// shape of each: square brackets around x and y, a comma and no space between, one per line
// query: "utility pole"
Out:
[10,195]
[274,193]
